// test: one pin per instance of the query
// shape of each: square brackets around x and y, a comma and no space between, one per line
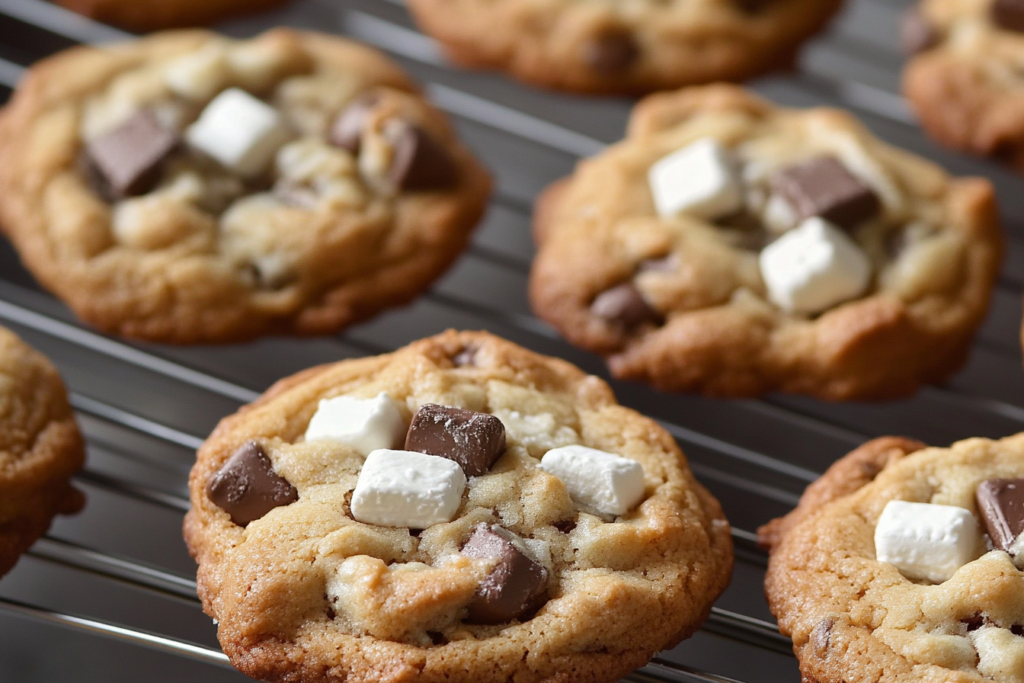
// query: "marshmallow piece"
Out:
[365,424]
[239,131]
[698,179]
[603,481]
[814,267]
[926,541]
[406,489]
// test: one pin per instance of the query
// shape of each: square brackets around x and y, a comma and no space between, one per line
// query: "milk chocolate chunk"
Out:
[347,130]
[613,51]
[128,158]
[1009,14]
[473,440]
[823,187]
[419,162]
[247,487]
[917,33]
[624,305]
[1001,505]
[516,586]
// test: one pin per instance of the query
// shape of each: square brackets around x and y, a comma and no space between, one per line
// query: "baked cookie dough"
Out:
[624,47]
[189,188]
[732,247]
[459,510]
[901,564]
[153,15]
[40,448]
[963,80]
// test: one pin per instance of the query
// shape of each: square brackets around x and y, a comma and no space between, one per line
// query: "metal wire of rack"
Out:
[145,408]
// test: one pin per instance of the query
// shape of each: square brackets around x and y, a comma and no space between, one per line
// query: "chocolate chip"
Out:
[129,158]
[821,636]
[1009,14]
[823,187]
[247,487]
[612,51]
[514,587]
[973,622]
[473,440]
[917,33]
[419,161]
[1001,506]
[465,357]
[624,305]
[347,130]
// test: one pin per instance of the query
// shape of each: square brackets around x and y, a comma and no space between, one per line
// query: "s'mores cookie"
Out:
[732,247]
[461,510]
[189,188]
[40,448]
[903,563]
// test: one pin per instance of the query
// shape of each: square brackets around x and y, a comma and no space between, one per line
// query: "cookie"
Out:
[153,15]
[40,448]
[732,247]
[962,79]
[459,510]
[618,47]
[191,188]
[902,564]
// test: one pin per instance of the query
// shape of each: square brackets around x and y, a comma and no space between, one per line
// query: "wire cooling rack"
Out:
[109,595]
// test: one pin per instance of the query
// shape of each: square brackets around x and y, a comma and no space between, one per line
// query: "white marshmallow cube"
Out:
[698,179]
[365,424]
[814,267]
[240,132]
[406,489]
[926,541]
[606,482]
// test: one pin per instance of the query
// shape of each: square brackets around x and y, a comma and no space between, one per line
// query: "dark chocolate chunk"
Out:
[247,487]
[625,305]
[823,187]
[1001,505]
[347,130]
[613,51]
[917,33]
[419,161]
[514,587]
[821,635]
[129,158]
[465,357]
[473,440]
[1009,14]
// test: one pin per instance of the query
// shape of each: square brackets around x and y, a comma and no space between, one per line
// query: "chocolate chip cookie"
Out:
[732,247]
[963,80]
[624,47]
[902,563]
[153,15]
[459,510]
[189,188]
[40,448]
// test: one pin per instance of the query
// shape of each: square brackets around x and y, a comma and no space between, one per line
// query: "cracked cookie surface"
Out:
[190,188]
[40,448]
[853,617]
[307,592]
[682,301]
[624,46]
